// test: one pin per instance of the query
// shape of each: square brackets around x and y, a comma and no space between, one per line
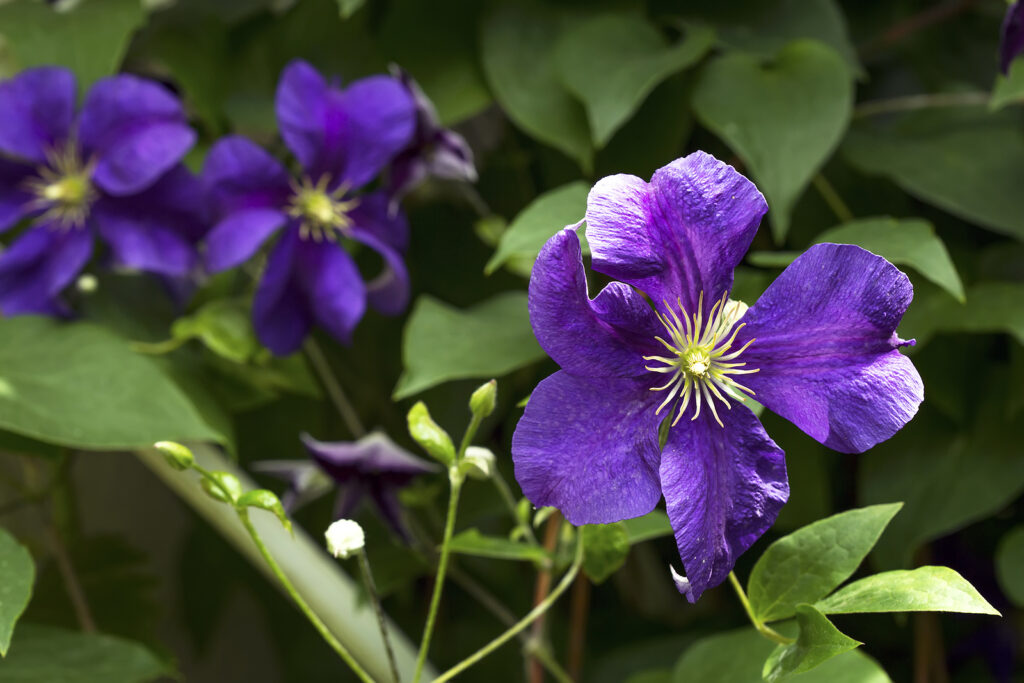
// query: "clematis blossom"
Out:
[342,138]
[110,170]
[374,467]
[818,348]
[1011,39]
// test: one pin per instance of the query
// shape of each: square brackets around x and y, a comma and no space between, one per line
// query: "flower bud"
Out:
[483,400]
[478,462]
[228,482]
[265,500]
[177,456]
[87,284]
[344,538]
[430,435]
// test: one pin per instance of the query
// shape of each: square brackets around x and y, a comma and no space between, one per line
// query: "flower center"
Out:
[322,214]
[701,361]
[62,188]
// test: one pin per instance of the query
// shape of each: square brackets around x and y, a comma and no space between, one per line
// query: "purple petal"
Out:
[589,447]
[350,134]
[827,351]
[1011,42]
[372,455]
[38,266]
[239,236]
[135,129]
[13,199]
[239,174]
[385,499]
[679,235]
[279,310]
[333,286]
[723,488]
[579,334]
[378,228]
[36,110]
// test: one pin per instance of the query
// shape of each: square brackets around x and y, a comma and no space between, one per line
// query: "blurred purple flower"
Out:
[433,152]
[112,170]
[342,139]
[825,357]
[373,466]
[1011,42]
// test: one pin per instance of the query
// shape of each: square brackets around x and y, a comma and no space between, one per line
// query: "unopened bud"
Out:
[177,456]
[483,400]
[224,487]
[87,284]
[430,435]
[344,538]
[478,462]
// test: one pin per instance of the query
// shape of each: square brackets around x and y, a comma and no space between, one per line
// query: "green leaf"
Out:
[17,574]
[925,589]
[908,242]
[533,226]
[818,642]
[349,7]
[961,159]
[265,500]
[224,326]
[990,308]
[1010,88]
[90,39]
[1010,564]
[652,525]
[430,435]
[442,343]
[605,549]
[472,542]
[613,61]
[518,43]
[739,656]
[56,655]
[809,563]
[783,119]
[51,374]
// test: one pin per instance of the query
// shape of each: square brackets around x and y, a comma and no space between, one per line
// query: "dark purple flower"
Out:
[374,466]
[1011,41]
[818,348]
[342,139]
[112,170]
[433,152]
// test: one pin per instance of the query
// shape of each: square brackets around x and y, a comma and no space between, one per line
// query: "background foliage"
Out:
[819,101]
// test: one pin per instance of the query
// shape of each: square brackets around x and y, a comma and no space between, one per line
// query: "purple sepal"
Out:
[37,267]
[36,110]
[1011,42]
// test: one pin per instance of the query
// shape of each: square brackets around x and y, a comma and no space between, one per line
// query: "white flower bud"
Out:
[344,538]
[479,462]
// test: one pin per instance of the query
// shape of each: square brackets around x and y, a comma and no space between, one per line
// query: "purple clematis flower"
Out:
[1011,42]
[112,170]
[433,152]
[373,466]
[342,139]
[818,348]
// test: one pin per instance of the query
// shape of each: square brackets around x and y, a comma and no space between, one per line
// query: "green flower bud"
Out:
[179,457]
[483,400]
[478,463]
[430,435]
[265,500]
[228,482]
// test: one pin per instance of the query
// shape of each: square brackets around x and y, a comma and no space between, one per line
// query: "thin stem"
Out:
[542,588]
[158,348]
[371,589]
[915,102]
[766,631]
[832,198]
[579,610]
[442,567]
[534,614]
[321,628]
[467,438]
[333,387]
[510,502]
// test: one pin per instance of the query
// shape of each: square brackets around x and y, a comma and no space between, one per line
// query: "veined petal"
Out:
[333,287]
[135,129]
[239,174]
[584,336]
[723,487]
[677,236]
[38,266]
[36,110]
[589,447]
[380,229]
[279,309]
[826,348]
[236,238]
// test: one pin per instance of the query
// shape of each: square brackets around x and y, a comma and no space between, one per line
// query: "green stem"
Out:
[832,198]
[333,387]
[321,628]
[915,102]
[442,567]
[510,501]
[765,630]
[158,348]
[523,623]
[371,589]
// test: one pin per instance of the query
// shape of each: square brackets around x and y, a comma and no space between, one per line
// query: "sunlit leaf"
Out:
[925,589]
[819,641]
[17,574]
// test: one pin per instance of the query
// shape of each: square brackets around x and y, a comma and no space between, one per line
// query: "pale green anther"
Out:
[700,361]
[62,188]
[322,214]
